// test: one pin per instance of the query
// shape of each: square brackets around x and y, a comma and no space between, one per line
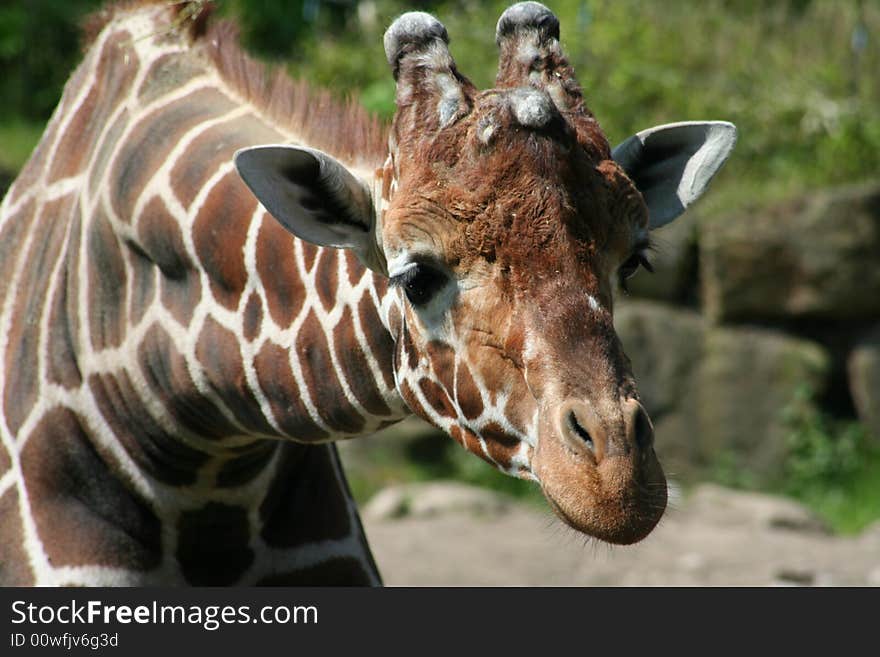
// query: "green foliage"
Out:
[39,46]
[820,450]
[277,29]
[727,468]
[807,105]
[832,466]
[17,138]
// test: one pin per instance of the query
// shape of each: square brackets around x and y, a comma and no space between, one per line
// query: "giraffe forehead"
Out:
[530,206]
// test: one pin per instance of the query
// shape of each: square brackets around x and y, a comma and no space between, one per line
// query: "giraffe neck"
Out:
[161,332]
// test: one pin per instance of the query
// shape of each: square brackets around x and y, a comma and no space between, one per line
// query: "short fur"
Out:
[343,128]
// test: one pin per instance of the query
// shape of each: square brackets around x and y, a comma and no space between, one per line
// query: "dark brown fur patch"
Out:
[98,166]
[442,357]
[106,284]
[61,365]
[252,317]
[313,355]
[276,380]
[472,443]
[408,348]
[14,563]
[162,456]
[306,503]
[247,464]
[77,322]
[5,460]
[167,374]
[309,254]
[285,292]
[160,236]
[355,367]
[144,275]
[353,266]
[212,149]
[117,66]
[21,358]
[12,235]
[218,351]
[467,395]
[500,444]
[212,545]
[378,339]
[147,147]
[437,398]
[83,514]
[326,277]
[162,240]
[411,400]
[219,234]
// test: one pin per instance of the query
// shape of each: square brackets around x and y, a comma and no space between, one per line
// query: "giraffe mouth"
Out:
[618,499]
[620,532]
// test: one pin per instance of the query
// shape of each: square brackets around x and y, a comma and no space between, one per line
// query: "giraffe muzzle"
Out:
[601,475]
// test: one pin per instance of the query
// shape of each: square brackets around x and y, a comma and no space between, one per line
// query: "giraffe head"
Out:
[502,219]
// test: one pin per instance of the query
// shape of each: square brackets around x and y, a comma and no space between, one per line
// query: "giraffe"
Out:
[210,274]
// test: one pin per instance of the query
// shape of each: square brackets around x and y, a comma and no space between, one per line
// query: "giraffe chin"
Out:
[618,500]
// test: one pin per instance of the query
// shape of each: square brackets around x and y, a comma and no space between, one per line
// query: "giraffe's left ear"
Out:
[313,196]
[671,165]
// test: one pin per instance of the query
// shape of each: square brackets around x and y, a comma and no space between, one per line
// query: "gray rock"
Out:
[665,347]
[863,367]
[811,257]
[871,536]
[716,395]
[748,377]
[873,577]
[755,511]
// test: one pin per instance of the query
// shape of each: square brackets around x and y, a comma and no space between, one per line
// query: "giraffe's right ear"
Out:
[672,165]
[314,197]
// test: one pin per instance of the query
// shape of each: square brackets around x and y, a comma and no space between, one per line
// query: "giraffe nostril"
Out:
[644,431]
[582,433]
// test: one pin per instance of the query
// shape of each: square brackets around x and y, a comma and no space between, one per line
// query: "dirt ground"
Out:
[450,534]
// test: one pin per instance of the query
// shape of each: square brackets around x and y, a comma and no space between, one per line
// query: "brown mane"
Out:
[319,117]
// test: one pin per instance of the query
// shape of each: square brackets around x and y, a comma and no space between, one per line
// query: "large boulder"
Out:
[755,511]
[813,257]
[863,366]
[748,377]
[717,396]
[665,347]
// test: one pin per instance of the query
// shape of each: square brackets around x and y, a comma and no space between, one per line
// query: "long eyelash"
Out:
[641,253]
[403,277]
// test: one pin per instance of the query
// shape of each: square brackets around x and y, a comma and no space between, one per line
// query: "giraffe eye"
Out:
[420,283]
